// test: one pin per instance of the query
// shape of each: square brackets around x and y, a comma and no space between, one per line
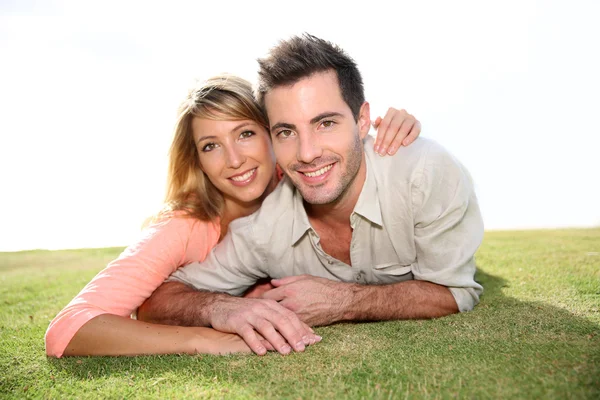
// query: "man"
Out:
[349,235]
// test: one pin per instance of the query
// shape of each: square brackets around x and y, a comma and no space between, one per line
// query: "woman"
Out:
[219,129]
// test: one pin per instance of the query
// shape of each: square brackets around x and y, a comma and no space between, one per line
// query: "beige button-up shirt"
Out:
[417,217]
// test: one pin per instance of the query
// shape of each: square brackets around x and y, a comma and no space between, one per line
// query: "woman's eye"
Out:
[208,147]
[246,134]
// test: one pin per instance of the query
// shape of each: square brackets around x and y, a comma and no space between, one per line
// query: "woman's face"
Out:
[236,156]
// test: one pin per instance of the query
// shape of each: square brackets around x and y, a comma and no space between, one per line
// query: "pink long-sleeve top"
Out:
[129,280]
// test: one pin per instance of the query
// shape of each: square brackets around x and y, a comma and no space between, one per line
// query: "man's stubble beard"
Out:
[354,157]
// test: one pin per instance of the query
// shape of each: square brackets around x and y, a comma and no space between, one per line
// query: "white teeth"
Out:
[318,172]
[245,177]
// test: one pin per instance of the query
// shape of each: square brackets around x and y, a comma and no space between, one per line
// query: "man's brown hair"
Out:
[301,56]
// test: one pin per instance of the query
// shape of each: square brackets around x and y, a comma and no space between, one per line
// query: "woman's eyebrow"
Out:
[243,124]
[204,138]
[237,127]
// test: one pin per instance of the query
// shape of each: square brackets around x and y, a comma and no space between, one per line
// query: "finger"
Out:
[385,128]
[274,294]
[376,122]
[396,120]
[267,330]
[313,338]
[265,342]
[287,280]
[289,325]
[252,340]
[400,136]
[414,133]
[308,334]
[381,130]
[268,345]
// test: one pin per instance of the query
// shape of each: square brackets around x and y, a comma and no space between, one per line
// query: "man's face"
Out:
[317,142]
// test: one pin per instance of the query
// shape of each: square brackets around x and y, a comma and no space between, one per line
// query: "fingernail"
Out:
[306,340]
[391,151]
[261,350]
[300,346]
[318,338]
[382,153]
[406,142]
[285,349]
[376,149]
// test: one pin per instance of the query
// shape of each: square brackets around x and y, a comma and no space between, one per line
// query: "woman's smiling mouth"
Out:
[244,178]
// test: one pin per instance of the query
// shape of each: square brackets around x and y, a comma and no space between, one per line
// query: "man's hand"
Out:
[317,301]
[255,319]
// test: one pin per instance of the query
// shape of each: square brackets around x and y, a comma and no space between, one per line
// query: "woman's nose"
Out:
[235,158]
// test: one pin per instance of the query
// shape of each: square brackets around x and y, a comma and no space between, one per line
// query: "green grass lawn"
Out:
[535,334]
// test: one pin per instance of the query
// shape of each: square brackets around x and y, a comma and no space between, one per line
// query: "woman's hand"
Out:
[210,341]
[397,128]
[261,286]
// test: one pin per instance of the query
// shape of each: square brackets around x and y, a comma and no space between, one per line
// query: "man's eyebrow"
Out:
[325,115]
[316,119]
[283,125]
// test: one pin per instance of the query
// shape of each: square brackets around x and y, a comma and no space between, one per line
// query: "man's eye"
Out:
[246,134]
[327,124]
[285,133]
[208,147]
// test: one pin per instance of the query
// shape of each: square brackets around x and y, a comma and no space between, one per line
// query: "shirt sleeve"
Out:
[129,280]
[234,265]
[448,227]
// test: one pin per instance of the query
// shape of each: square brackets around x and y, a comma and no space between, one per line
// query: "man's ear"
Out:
[364,119]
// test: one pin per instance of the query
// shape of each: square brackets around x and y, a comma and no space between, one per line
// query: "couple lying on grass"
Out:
[343,233]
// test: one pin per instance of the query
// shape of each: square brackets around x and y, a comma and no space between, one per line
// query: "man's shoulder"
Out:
[407,163]
[421,166]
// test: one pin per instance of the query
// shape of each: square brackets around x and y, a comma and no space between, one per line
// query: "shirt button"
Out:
[329,262]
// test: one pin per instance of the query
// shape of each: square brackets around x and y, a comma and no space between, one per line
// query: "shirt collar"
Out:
[301,224]
[367,205]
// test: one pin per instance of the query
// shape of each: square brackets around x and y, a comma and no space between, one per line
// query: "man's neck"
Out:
[338,212]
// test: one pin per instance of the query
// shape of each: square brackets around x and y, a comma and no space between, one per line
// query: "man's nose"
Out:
[309,148]
[235,158]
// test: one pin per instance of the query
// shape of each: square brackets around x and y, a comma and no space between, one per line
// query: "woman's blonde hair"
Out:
[220,98]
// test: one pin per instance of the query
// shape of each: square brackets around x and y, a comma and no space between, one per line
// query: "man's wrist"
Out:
[216,307]
[353,295]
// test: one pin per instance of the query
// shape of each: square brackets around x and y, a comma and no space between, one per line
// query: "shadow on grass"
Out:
[507,343]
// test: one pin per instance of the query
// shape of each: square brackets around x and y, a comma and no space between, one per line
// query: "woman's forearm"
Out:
[112,335]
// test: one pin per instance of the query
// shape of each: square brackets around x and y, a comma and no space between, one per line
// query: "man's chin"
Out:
[318,197]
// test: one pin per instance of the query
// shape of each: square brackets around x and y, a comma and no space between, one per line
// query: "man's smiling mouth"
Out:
[318,172]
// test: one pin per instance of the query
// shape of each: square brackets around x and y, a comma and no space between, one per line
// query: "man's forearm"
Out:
[175,303]
[403,300]
[320,301]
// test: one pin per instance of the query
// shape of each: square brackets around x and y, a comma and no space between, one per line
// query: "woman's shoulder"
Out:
[180,232]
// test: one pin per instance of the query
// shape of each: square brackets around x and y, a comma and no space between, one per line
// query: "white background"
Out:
[89,90]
